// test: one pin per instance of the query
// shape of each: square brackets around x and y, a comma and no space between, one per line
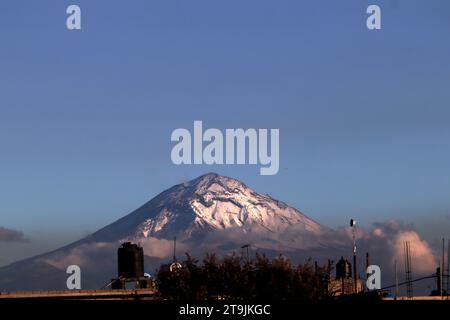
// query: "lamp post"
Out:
[355,279]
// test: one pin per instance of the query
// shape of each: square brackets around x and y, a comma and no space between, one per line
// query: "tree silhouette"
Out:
[232,278]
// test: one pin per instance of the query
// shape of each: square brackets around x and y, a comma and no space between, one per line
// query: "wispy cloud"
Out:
[10,235]
[94,254]
[161,248]
[85,255]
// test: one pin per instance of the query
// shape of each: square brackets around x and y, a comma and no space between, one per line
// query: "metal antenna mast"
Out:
[174,249]
[355,277]
[175,265]
[442,268]
[397,293]
[245,246]
[409,287]
[447,278]
[445,269]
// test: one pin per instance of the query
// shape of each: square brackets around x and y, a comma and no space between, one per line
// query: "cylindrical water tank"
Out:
[130,260]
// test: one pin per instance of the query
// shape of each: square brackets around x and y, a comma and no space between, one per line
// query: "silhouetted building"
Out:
[131,268]
[344,282]
[130,260]
[343,269]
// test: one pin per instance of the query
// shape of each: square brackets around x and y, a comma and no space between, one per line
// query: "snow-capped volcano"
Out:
[208,203]
[211,213]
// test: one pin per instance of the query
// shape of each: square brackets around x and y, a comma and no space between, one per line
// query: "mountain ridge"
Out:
[210,213]
[207,203]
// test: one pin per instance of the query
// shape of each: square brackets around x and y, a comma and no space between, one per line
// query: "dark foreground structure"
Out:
[131,268]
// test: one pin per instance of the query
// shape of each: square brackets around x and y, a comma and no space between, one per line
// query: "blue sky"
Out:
[86,116]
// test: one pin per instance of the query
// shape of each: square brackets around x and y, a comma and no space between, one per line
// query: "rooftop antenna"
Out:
[174,249]
[445,270]
[397,293]
[442,269]
[175,265]
[355,280]
[448,269]
[367,260]
[245,246]
[367,264]
[409,287]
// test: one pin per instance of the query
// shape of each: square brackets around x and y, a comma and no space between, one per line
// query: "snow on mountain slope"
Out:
[211,213]
[207,204]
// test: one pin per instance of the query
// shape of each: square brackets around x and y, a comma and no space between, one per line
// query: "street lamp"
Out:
[353,226]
